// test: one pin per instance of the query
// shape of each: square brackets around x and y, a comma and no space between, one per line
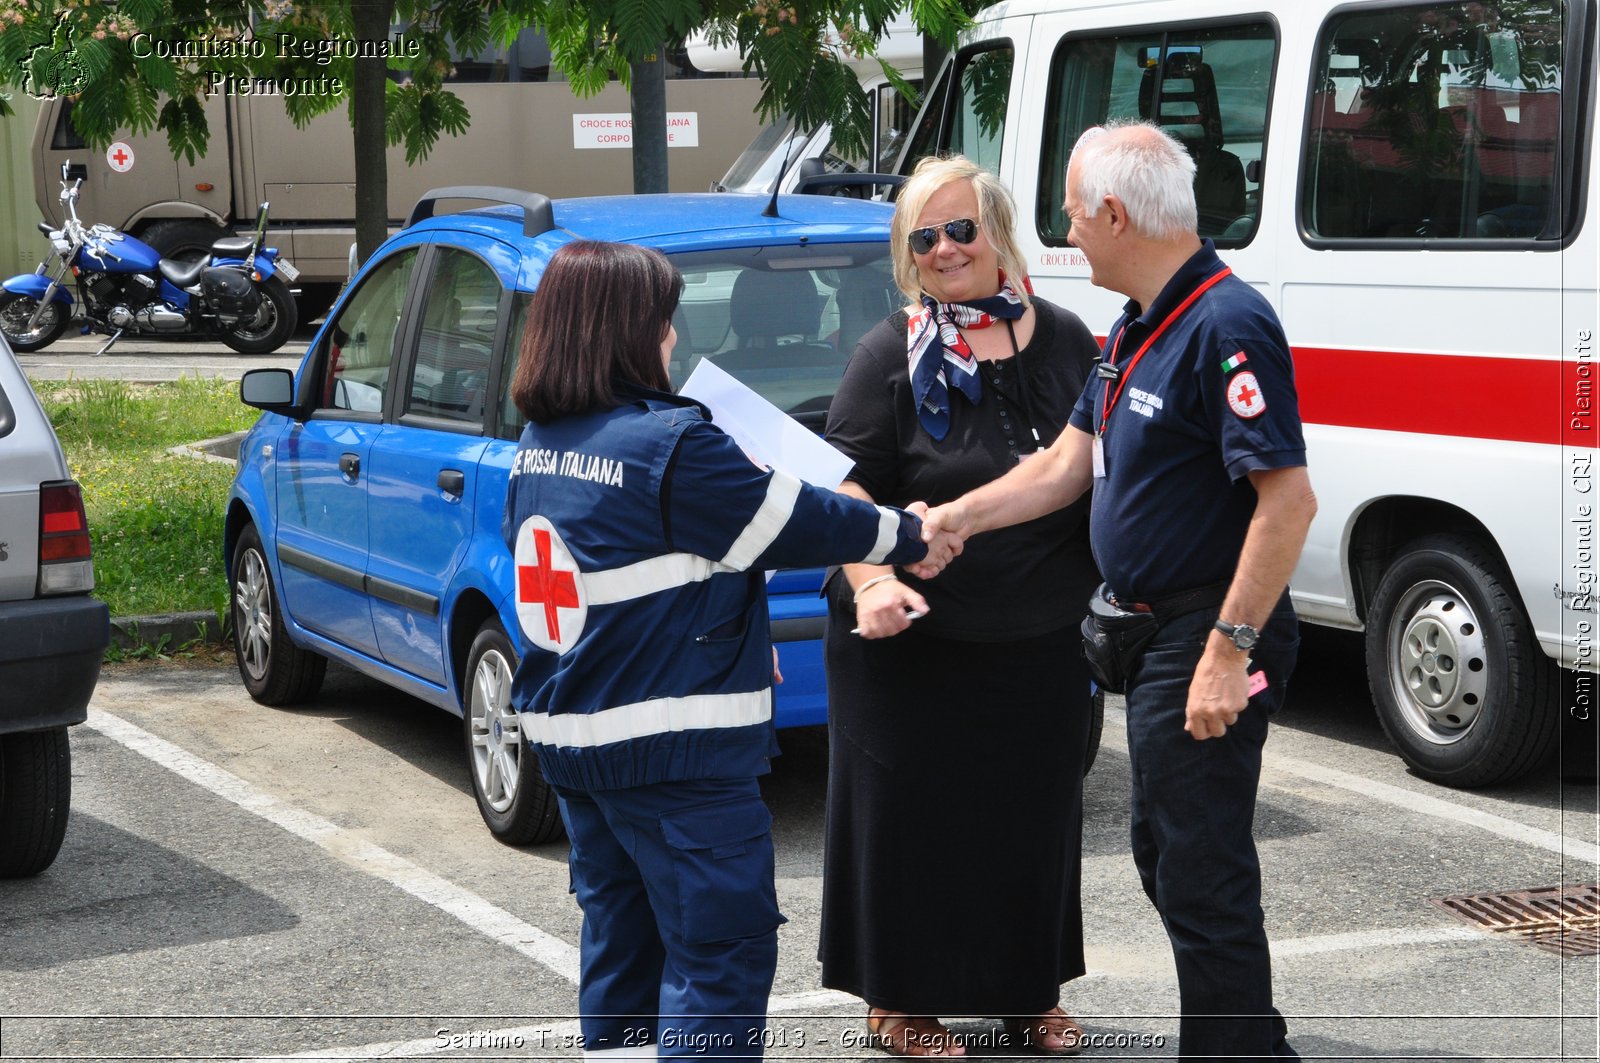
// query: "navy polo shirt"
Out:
[1210,401]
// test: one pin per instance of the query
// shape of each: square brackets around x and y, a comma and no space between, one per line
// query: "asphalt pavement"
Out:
[143,359]
[240,882]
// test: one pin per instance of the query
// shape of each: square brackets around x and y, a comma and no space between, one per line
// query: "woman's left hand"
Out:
[885,609]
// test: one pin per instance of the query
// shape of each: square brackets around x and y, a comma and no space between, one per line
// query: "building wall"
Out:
[21,246]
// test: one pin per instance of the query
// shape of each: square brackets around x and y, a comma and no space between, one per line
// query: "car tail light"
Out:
[65,566]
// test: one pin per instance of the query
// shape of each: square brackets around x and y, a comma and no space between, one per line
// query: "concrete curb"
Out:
[177,629]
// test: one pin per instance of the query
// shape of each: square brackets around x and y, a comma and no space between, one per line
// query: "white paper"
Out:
[770,436]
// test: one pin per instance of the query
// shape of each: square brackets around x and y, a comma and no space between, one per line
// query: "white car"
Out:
[53,635]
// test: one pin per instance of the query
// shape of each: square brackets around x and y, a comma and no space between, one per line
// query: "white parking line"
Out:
[1420,803]
[562,959]
[1428,805]
[486,918]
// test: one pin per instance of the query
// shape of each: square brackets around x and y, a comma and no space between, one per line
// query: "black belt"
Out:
[1168,606]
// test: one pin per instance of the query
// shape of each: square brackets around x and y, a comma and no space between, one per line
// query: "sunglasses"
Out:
[962,231]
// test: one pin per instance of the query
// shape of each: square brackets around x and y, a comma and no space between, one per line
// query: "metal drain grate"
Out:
[1560,919]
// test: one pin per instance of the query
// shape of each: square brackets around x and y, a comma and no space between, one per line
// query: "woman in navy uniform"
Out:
[640,531]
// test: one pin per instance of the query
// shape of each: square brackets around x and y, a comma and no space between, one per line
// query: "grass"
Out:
[155,519]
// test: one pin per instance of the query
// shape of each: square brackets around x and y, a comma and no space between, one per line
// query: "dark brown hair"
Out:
[597,318]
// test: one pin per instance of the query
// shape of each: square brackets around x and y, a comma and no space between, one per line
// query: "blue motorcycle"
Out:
[239,294]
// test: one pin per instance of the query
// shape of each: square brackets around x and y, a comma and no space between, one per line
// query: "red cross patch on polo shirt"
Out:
[551,604]
[1244,395]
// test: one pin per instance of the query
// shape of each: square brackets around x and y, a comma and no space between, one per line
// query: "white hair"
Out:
[1142,165]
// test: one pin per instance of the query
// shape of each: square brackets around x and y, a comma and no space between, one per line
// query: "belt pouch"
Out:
[1114,639]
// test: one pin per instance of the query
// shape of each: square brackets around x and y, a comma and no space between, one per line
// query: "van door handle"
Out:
[452,481]
[350,465]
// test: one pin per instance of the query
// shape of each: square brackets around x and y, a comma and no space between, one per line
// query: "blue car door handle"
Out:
[350,465]
[452,481]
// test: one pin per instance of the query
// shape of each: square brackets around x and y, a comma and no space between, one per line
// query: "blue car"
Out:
[363,525]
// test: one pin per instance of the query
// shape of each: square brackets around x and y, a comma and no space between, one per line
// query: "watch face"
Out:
[1245,636]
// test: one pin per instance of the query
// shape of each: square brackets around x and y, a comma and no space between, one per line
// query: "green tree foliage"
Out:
[104,54]
[592,43]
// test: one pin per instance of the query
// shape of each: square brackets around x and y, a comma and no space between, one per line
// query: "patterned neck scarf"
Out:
[939,355]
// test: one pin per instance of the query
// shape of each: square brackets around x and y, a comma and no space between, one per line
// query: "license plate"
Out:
[287,268]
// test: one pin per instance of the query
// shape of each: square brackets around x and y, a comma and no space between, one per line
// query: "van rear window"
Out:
[1436,122]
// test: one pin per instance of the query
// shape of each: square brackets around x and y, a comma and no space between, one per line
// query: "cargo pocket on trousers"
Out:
[723,862]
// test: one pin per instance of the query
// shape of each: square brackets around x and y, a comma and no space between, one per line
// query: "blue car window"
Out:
[361,342]
[460,313]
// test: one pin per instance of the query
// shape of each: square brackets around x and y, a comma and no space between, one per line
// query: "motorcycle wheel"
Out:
[273,324]
[15,312]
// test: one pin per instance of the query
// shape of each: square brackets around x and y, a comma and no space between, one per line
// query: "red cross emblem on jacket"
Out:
[551,605]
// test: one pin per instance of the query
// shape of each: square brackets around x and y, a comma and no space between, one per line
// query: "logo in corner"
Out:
[54,69]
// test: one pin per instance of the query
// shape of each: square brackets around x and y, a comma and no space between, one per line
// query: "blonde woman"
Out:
[951,880]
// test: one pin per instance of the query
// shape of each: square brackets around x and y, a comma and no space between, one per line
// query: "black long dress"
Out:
[954,821]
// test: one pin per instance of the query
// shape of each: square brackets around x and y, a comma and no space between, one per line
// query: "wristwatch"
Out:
[1243,635]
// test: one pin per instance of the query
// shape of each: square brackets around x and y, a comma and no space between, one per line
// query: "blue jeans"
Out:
[1193,804]
[680,916]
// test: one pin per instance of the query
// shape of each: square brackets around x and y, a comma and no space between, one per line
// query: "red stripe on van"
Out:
[1519,399]
[1523,400]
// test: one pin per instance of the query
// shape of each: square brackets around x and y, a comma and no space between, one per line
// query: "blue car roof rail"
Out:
[537,215]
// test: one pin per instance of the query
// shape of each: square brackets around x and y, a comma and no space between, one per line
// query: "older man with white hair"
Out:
[1189,435]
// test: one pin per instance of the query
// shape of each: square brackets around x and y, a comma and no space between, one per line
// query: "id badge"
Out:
[1098,451]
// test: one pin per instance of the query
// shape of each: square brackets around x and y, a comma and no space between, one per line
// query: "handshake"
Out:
[884,605]
[945,530]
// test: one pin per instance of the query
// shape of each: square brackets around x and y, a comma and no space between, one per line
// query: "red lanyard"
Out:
[1122,378]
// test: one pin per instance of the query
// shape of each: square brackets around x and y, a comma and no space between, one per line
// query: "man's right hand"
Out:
[945,530]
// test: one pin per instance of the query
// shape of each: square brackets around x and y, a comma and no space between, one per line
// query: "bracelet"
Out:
[873,582]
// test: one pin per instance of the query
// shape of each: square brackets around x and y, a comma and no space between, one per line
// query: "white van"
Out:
[782,146]
[1413,185]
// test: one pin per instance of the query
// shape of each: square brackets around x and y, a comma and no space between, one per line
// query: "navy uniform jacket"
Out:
[640,534]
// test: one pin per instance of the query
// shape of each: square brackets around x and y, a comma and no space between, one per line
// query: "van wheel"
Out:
[275,671]
[35,799]
[272,325]
[1459,681]
[16,310]
[517,804]
[184,239]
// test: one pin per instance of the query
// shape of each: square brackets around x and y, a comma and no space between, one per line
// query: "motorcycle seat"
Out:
[232,246]
[182,274]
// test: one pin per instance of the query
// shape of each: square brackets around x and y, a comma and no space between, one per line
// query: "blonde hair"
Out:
[997,217]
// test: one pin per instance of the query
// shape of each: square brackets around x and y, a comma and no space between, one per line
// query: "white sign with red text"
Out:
[616,130]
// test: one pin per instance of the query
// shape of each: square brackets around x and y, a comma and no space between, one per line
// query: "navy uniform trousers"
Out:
[680,916]
[1193,807]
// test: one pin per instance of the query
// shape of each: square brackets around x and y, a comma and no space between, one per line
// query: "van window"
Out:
[527,58]
[892,120]
[1209,87]
[978,112]
[1436,122]
[925,131]
[973,121]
